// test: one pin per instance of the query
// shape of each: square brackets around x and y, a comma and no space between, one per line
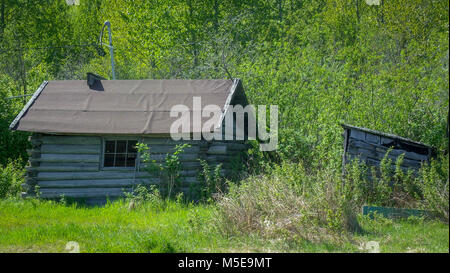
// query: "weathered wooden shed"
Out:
[370,147]
[84,134]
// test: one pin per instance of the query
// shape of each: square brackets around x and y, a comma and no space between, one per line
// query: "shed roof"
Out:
[395,137]
[117,106]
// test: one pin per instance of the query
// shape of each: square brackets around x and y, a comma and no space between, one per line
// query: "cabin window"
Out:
[120,153]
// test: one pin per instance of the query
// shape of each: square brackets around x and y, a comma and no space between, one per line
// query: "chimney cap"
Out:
[93,78]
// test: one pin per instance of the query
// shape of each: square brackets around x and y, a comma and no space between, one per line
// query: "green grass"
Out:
[44,226]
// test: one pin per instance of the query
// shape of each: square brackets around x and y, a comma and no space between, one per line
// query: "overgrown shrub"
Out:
[393,186]
[212,181]
[433,183]
[11,178]
[168,171]
[387,185]
[290,202]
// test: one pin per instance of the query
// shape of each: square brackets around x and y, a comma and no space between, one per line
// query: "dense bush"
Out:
[291,202]
[11,178]
[434,187]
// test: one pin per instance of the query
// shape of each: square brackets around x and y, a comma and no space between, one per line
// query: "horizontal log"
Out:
[104,175]
[69,164]
[375,163]
[217,150]
[80,158]
[164,149]
[70,149]
[360,144]
[63,169]
[219,158]
[183,172]
[380,155]
[383,149]
[233,145]
[82,192]
[90,175]
[109,183]
[169,141]
[408,155]
[182,157]
[186,165]
[74,140]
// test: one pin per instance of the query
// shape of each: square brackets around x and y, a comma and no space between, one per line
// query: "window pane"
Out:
[121,146]
[120,160]
[109,160]
[109,146]
[131,159]
[132,146]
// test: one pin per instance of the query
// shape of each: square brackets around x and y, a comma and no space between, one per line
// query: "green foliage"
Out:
[322,62]
[212,181]
[11,178]
[149,196]
[292,203]
[434,187]
[26,225]
[383,67]
[168,171]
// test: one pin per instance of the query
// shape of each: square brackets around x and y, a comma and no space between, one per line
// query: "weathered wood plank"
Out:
[164,149]
[82,192]
[371,138]
[109,183]
[185,165]
[80,158]
[380,149]
[74,140]
[182,157]
[408,155]
[169,141]
[69,149]
[360,144]
[62,169]
[100,183]
[379,156]
[90,175]
[217,150]
[356,134]
[69,164]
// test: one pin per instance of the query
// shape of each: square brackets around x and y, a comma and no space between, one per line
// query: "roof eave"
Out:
[28,105]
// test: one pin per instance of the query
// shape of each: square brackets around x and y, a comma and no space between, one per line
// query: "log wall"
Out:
[72,165]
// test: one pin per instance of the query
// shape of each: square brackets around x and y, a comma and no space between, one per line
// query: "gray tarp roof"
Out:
[117,106]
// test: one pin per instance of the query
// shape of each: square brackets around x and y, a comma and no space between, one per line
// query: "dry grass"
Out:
[273,207]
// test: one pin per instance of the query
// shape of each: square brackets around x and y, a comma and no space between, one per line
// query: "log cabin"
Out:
[84,134]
